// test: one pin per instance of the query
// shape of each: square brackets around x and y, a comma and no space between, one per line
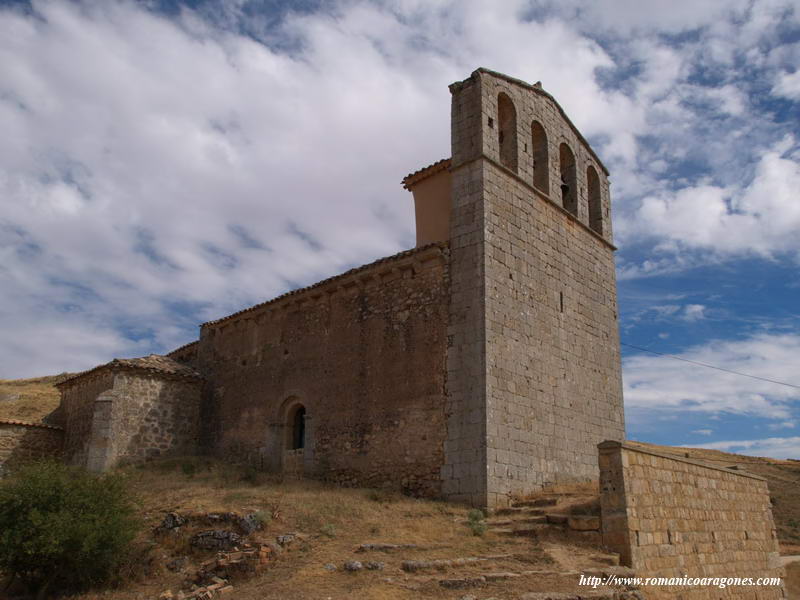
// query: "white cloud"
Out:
[703,431]
[782,425]
[159,171]
[761,218]
[788,85]
[665,385]
[694,312]
[770,447]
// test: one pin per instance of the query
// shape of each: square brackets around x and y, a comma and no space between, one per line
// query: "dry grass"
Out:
[29,399]
[792,580]
[336,520]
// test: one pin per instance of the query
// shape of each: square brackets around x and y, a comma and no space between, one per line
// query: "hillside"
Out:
[29,399]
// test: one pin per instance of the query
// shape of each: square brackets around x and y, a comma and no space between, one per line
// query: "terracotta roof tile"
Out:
[154,363]
[386,259]
[26,424]
[419,175]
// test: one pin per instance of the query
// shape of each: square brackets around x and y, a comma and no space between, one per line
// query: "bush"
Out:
[63,528]
[475,521]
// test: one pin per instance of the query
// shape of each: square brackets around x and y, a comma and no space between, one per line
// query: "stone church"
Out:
[481,363]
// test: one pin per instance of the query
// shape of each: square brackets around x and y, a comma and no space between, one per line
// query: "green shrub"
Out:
[475,521]
[63,528]
[189,469]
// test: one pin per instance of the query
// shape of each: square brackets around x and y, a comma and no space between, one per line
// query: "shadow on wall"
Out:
[22,442]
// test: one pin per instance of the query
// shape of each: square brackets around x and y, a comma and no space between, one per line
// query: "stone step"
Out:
[584,523]
[521,520]
[535,502]
[462,583]
[550,532]
[518,510]
[557,519]
[597,594]
[415,566]
[500,576]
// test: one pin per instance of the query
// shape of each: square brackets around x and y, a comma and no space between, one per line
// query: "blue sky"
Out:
[167,163]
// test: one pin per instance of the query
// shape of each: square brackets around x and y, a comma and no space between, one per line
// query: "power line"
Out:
[694,362]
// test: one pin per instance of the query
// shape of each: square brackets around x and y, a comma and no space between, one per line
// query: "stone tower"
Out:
[533,360]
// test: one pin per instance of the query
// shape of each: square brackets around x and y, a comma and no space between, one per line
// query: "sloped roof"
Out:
[329,280]
[154,363]
[26,424]
[420,174]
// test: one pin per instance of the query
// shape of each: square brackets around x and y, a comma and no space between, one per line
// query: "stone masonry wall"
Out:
[670,517]
[77,404]
[363,353]
[120,416]
[539,288]
[150,416]
[21,442]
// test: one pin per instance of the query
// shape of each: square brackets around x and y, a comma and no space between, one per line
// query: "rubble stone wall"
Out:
[22,442]
[362,353]
[77,404]
[149,416]
[670,517]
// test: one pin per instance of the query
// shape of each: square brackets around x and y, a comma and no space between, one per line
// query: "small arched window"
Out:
[595,205]
[541,159]
[569,183]
[297,422]
[507,131]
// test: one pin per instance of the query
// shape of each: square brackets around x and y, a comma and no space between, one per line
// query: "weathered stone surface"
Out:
[533,312]
[171,521]
[215,539]
[461,583]
[584,523]
[118,415]
[667,516]
[22,442]
[353,565]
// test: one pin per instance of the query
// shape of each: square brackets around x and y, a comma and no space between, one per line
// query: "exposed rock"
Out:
[330,567]
[500,576]
[177,564]
[353,565]
[216,539]
[465,582]
[171,521]
[250,523]
[374,565]
[385,547]
[548,596]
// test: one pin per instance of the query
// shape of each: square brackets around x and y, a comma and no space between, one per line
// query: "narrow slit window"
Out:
[541,159]
[507,131]
[595,202]
[569,183]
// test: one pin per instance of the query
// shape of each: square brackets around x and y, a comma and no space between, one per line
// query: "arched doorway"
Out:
[295,437]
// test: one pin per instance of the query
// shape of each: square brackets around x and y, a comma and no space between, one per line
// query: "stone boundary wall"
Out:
[21,442]
[671,517]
